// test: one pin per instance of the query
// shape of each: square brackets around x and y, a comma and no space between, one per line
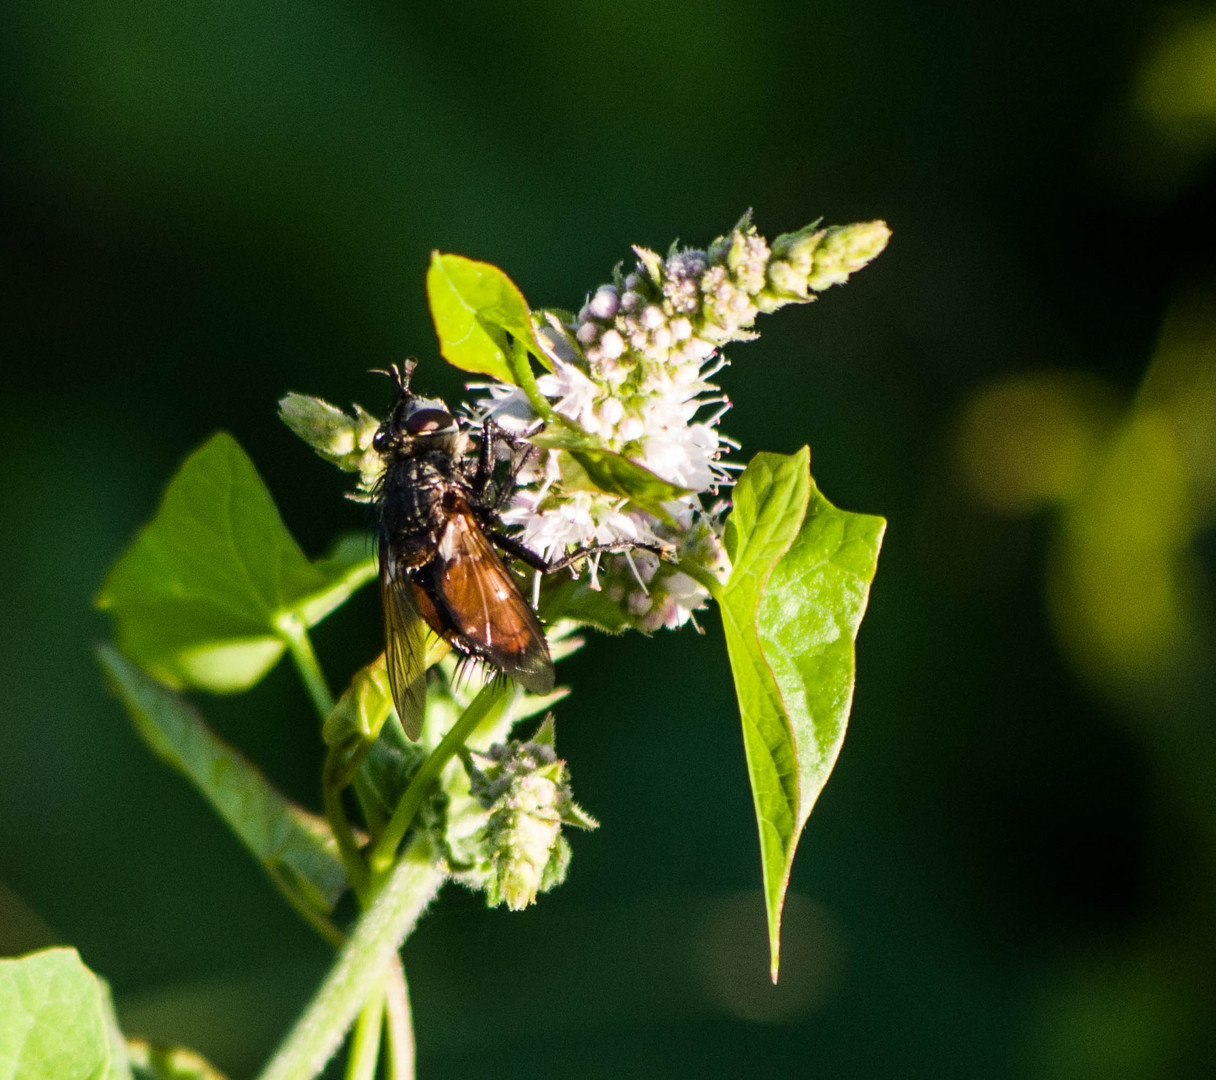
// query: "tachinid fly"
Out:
[438,516]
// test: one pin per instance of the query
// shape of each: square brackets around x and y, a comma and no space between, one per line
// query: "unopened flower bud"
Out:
[525,791]
[611,411]
[845,249]
[630,428]
[652,318]
[344,440]
[612,344]
[588,332]
[604,303]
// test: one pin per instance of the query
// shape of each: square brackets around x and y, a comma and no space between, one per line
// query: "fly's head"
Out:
[416,425]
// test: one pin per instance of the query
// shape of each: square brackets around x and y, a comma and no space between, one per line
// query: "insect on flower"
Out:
[438,524]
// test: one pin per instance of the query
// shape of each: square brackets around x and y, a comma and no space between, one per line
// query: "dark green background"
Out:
[207,204]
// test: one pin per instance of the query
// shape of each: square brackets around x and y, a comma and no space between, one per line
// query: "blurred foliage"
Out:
[1011,873]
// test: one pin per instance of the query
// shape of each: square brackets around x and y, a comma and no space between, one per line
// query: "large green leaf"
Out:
[56,1021]
[200,596]
[474,306]
[297,849]
[791,610]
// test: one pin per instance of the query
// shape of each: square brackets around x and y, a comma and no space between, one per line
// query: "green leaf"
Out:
[198,596]
[297,848]
[791,610]
[120,1063]
[474,306]
[56,1021]
[564,597]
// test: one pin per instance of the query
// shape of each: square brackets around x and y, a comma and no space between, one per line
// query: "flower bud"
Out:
[612,344]
[604,303]
[341,439]
[845,249]
[524,792]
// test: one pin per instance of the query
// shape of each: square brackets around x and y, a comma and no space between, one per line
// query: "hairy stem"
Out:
[361,965]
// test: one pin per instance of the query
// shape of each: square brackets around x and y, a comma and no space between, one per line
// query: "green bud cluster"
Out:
[505,838]
[341,439]
[813,259]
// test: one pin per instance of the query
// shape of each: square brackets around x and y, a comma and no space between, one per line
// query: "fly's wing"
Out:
[404,644]
[486,610]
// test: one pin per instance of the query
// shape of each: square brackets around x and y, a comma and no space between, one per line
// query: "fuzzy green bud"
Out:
[813,259]
[845,249]
[342,440]
[518,851]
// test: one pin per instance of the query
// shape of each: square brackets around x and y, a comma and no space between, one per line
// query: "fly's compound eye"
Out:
[428,421]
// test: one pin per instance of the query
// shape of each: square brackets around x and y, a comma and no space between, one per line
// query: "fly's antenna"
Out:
[400,374]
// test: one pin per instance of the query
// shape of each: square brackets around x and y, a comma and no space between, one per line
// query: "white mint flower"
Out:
[631,374]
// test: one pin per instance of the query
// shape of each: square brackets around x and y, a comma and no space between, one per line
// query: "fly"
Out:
[439,570]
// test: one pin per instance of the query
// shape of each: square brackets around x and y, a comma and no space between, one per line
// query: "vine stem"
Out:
[362,964]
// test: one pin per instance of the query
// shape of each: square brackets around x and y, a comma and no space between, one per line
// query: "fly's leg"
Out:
[530,558]
[489,498]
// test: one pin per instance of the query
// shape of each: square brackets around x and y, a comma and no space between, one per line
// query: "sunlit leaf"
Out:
[475,306]
[197,597]
[293,845]
[56,1021]
[791,610]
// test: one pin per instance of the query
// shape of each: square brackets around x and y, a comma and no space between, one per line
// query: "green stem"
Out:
[335,813]
[365,1043]
[361,965]
[386,846]
[303,907]
[295,636]
[522,369]
[398,1026]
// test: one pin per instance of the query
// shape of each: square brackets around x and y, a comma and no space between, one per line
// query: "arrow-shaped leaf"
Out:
[791,610]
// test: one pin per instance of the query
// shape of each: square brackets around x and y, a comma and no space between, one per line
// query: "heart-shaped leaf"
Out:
[199,597]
